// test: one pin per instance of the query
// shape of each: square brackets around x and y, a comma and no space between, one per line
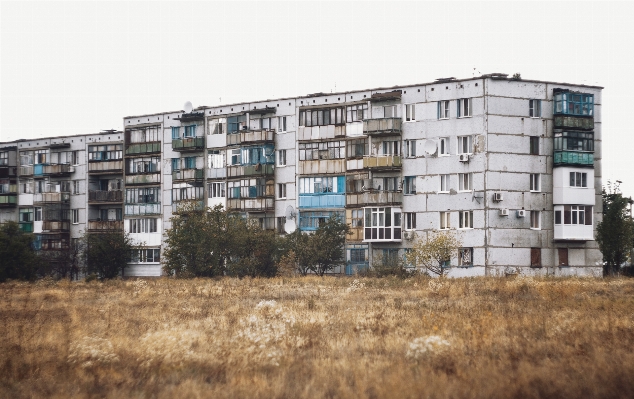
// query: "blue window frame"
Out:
[190,131]
[577,104]
[175,133]
[264,155]
[190,162]
[175,164]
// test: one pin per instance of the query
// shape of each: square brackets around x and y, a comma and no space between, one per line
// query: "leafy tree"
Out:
[107,253]
[615,233]
[18,259]
[254,251]
[295,250]
[65,262]
[433,252]
[323,250]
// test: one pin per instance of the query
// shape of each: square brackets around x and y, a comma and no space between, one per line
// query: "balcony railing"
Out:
[105,225]
[56,225]
[105,167]
[105,196]
[322,166]
[382,126]
[188,144]
[250,170]
[336,200]
[381,161]
[142,209]
[7,200]
[371,198]
[572,122]
[250,136]
[26,170]
[51,198]
[8,171]
[149,178]
[143,148]
[251,204]
[573,158]
[178,207]
[57,170]
[26,227]
[188,174]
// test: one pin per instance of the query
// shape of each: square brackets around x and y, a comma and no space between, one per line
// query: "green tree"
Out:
[107,253]
[294,247]
[615,233]
[65,262]
[434,252]
[325,248]
[18,259]
[254,252]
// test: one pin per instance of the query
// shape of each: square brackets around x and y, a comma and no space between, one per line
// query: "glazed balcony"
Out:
[26,170]
[143,209]
[374,197]
[143,148]
[382,162]
[322,166]
[251,204]
[194,205]
[100,226]
[8,200]
[105,167]
[147,178]
[250,170]
[8,171]
[574,158]
[188,175]
[55,226]
[26,227]
[105,196]
[382,126]
[188,144]
[52,244]
[573,122]
[250,136]
[55,170]
[51,198]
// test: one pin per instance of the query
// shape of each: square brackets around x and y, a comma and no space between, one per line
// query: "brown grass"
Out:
[318,337]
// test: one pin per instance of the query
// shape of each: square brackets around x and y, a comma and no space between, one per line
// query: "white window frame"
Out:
[281,158]
[577,179]
[535,182]
[216,190]
[465,182]
[445,181]
[443,147]
[281,190]
[464,108]
[410,113]
[281,124]
[443,109]
[74,216]
[445,220]
[465,253]
[465,141]
[390,109]
[76,187]
[410,148]
[536,220]
[37,214]
[465,220]
[535,108]
[409,220]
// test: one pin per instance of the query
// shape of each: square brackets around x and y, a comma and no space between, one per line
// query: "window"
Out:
[217,126]
[281,190]
[410,220]
[465,181]
[175,133]
[187,193]
[26,215]
[574,214]
[38,214]
[4,158]
[444,184]
[321,117]
[144,134]
[358,255]
[389,111]
[324,150]
[190,162]
[216,159]
[563,256]
[322,185]
[26,187]
[216,190]
[236,123]
[391,147]
[410,114]
[535,108]
[146,195]
[74,157]
[143,165]
[145,255]
[143,226]
[578,179]
[444,146]
[357,148]
[281,158]
[536,257]
[382,224]
[105,152]
[190,131]
[281,223]
[410,185]
[465,257]
[464,107]
[535,220]
[465,219]
[356,113]
[310,220]
[535,182]
[574,141]
[465,145]
[357,217]
[534,142]
[410,148]
[76,185]
[573,103]
[281,123]
[74,216]
[443,109]
[445,223]
[234,157]
[176,165]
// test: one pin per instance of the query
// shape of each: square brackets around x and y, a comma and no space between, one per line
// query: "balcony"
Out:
[250,170]
[51,198]
[382,126]
[143,148]
[572,122]
[574,158]
[251,204]
[55,226]
[217,173]
[26,227]
[188,144]
[337,200]
[8,200]
[26,170]
[250,136]
[188,175]
[97,226]
[56,170]
[374,197]
[8,171]
[573,232]
[383,162]
[52,242]
[107,196]
[322,166]
[105,167]
[150,178]
[195,205]
[142,209]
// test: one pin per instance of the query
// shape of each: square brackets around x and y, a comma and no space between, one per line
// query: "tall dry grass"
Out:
[318,337]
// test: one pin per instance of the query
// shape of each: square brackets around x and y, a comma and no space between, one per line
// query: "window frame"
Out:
[280,158]
[281,191]
[465,182]
[410,113]
[410,148]
[534,145]
[443,109]
[461,257]
[445,220]
[535,182]
[409,221]
[445,180]
[535,220]
[216,190]
[461,145]
[409,185]
[535,108]
[464,106]
[465,220]
[578,177]
[443,144]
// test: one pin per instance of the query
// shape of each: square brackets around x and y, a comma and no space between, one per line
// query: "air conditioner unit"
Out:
[521,213]
[497,197]
[504,212]
[408,235]
[464,157]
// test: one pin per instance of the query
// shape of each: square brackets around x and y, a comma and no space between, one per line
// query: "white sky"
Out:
[80,67]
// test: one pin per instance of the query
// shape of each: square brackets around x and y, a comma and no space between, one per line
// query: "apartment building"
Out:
[513,167]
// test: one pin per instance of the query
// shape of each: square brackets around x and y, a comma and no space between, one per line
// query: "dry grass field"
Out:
[318,337]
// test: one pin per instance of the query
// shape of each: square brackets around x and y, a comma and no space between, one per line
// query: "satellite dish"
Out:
[430,147]
[189,107]
[290,225]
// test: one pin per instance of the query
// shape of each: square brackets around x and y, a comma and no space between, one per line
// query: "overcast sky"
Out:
[80,67]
